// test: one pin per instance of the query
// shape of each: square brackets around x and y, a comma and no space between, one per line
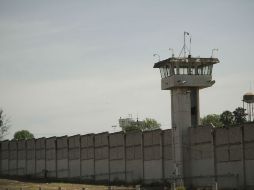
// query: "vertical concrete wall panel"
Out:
[202,167]
[222,136]
[134,157]
[51,157]
[250,174]
[155,167]
[200,135]
[62,157]
[13,159]
[87,157]
[62,170]
[5,157]
[40,149]
[117,170]
[21,157]
[225,171]
[249,154]
[87,168]
[117,157]
[1,158]
[152,156]
[101,148]
[249,132]
[30,156]
[234,135]
[74,156]
[167,154]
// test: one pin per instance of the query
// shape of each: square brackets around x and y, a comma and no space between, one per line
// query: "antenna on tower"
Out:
[171,49]
[156,55]
[190,45]
[184,45]
[214,49]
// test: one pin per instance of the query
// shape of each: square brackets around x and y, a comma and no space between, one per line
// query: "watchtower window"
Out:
[183,70]
[192,71]
[210,69]
[200,70]
[205,70]
[165,72]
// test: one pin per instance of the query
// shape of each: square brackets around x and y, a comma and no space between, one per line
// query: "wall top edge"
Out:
[155,130]
[73,136]
[89,134]
[132,132]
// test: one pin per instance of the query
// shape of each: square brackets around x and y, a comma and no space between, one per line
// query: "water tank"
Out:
[248,97]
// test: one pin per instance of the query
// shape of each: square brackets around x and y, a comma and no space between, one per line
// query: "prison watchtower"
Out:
[184,77]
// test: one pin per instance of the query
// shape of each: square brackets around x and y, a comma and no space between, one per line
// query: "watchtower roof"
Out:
[185,62]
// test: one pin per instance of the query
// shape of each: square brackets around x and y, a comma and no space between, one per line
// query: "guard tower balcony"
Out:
[186,72]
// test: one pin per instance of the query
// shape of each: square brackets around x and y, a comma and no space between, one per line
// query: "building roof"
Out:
[249,94]
[186,61]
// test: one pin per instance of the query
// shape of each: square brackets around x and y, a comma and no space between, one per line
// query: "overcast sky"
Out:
[75,67]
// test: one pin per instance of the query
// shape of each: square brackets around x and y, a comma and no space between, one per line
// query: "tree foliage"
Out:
[4,125]
[227,118]
[150,124]
[23,135]
[239,115]
[213,119]
[145,125]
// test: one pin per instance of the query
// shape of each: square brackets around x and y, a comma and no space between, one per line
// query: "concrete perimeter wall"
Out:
[40,155]
[87,163]
[62,156]
[225,155]
[51,157]
[21,158]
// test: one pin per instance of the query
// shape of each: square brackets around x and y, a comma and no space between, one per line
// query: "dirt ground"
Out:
[19,185]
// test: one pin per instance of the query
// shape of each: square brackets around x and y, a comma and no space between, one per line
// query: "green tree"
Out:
[150,124]
[23,135]
[227,118]
[145,125]
[4,124]
[239,115]
[212,119]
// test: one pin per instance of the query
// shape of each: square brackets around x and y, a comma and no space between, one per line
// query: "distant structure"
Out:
[184,77]
[128,121]
[248,99]
[125,122]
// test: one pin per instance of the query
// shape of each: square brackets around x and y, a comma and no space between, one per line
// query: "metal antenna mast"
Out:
[184,44]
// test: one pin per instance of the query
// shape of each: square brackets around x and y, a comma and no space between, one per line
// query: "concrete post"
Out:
[45,158]
[109,175]
[68,158]
[213,133]
[143,161]
[80,160]
[162,155]
[25,157]
[1,158]
[94,172]
[35,159]
[8,157]
[17,159]
[56,157]
[125,168]
[243,156]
